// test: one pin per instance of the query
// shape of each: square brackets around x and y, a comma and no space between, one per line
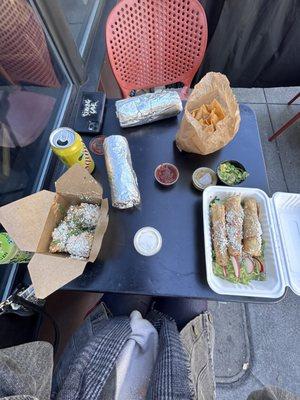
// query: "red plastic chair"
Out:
[288,123]
[156,42]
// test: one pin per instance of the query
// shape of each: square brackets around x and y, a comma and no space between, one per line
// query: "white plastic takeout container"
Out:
[280,220]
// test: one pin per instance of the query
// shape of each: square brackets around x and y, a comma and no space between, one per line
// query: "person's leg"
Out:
[78,341]
[182,310]
[198,338]
[26,371]
[124,304]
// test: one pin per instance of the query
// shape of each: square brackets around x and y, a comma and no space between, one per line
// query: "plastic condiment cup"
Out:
[172,170]
[199,173]
[147,241]
[236,164]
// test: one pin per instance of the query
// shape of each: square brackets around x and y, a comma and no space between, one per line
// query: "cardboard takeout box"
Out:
[31,220]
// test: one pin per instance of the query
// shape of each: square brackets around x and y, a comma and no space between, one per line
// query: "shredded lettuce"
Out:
[230,275]
[61,209]
[244,278]
[216,200]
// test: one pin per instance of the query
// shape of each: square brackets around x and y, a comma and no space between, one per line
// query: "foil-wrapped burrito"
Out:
[122,178]
[148,107]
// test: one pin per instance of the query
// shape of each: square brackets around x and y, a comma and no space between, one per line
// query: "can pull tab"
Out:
[62,142]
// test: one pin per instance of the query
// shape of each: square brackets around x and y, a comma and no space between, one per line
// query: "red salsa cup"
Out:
[166,174]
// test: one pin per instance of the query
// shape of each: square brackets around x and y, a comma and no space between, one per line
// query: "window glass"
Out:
[80,15]
[34,88]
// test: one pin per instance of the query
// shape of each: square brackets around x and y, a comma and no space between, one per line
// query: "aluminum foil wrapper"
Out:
[122,178]
[148,107]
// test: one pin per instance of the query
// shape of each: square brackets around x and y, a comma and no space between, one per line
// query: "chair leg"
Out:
[284,127]
[294,98]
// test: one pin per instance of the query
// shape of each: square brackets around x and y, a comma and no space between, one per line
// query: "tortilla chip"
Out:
[197,114]
[209,114]
[218,109]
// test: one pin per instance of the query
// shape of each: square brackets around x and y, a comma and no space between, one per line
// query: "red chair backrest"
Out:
[24,55]
[155,42]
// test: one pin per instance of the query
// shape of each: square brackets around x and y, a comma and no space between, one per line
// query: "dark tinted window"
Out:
[33,89]
[81,15]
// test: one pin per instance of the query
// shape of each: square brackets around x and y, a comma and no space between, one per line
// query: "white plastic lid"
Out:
[287,222]
[147,241]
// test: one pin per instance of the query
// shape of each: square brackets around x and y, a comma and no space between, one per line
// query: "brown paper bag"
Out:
[211,116]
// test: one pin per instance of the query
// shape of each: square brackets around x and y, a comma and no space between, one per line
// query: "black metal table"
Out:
[179,268]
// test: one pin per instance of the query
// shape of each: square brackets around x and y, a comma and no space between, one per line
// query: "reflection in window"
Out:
[80,15]
[32,86]
[24,53]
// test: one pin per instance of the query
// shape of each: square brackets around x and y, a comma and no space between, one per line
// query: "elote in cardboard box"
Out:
[31,221]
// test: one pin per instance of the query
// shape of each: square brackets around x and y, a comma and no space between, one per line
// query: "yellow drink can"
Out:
[69,147]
